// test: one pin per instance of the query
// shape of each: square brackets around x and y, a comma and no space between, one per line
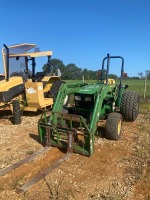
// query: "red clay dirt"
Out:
[118,170]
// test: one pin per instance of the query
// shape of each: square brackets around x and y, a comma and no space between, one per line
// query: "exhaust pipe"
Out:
[7,62]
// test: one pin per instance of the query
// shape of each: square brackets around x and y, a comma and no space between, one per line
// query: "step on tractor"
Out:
[21,87]
[74,126]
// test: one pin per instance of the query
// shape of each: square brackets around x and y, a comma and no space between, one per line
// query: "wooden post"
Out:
[145,86]
[83,78]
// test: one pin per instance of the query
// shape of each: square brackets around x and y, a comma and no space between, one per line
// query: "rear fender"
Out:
[48,82]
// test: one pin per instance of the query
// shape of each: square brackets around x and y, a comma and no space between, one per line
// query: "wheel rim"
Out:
[119,127]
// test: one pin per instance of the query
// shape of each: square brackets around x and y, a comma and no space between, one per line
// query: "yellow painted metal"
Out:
[119,127]
[30,109]
[18,48]
[35,95]
[9,104]
[22,47]
[32,54]
[49,81]
[13,81]
[110,81]
[34,91]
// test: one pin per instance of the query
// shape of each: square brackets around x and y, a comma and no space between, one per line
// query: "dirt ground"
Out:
[118,170]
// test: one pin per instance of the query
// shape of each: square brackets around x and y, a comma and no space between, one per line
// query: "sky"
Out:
[82,32]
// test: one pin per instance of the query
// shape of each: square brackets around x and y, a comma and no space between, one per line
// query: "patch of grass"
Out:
[17,182]
[145,105]
[29,152]
[8,160]
[135,85]
[56,191]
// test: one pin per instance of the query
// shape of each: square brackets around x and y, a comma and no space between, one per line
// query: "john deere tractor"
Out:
[73,127]
[22,89]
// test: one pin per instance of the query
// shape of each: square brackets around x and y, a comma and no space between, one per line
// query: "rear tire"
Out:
[129,106]
[114,126]
[16,112]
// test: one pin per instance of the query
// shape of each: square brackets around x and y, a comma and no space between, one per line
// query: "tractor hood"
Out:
[90,89]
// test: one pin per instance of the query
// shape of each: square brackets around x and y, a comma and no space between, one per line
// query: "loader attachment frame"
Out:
[68,131]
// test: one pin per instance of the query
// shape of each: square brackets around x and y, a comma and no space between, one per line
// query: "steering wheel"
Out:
[14,74]
[27,73]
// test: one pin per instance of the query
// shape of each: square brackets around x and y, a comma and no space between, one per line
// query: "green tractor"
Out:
[74,126]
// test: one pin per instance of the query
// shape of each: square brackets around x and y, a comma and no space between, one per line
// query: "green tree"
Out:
[85,73]
[141,75]
[147,74]
[113,76]
[72,72]
[54,65]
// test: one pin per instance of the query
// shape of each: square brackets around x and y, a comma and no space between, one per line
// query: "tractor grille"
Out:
[84,101]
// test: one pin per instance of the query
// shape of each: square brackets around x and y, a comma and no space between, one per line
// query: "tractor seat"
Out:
[110,81]
[39,76]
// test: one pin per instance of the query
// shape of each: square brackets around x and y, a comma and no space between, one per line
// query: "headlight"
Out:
[77,98]
[88,98]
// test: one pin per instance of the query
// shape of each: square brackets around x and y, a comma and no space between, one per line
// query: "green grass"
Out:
[138,86]
[134,85]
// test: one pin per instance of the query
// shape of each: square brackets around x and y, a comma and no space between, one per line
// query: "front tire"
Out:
[129,106]
[16,112]
[114,126]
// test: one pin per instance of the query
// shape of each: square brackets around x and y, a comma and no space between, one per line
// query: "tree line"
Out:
[69,71]
[72,72]
[144,75]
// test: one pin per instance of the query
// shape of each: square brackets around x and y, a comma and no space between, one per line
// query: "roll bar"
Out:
[7,62]
[108,65]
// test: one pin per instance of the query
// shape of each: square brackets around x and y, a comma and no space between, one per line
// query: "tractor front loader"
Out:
[22,88]
[74,126]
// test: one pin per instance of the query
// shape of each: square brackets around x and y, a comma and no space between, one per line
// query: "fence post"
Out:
[145,86]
